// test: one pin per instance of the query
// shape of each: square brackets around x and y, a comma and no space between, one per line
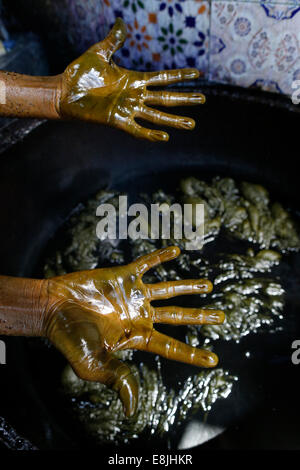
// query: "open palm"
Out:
[93,314]
[95,89]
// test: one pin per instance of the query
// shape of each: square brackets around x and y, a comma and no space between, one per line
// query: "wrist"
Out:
[23,306]
[41,307]
[57,84]
[30,96]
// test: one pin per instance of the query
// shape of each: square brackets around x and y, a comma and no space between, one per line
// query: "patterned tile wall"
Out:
[243,42]
[247,43]
[252,44]
[164,34]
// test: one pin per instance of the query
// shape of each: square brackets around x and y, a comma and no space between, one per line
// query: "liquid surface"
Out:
[247,238]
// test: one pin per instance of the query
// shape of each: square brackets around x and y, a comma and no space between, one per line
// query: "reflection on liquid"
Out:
[160,408]
[197,432]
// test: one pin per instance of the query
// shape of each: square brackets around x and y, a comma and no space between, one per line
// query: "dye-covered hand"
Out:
[91,315]
[93,88]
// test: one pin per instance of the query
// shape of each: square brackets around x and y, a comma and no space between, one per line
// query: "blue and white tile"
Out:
[163,34]
[250,48]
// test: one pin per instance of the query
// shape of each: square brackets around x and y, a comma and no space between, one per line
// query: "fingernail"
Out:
[205,286]
[199,98]
[162,136]
[194,73]
[211,359]
[129,397]
[173,250]
[215,318]
[188,123]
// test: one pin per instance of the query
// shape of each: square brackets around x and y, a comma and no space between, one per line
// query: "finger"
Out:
[166,77]
[143,133]
[170,98]
[171,348]
[113,41]
[158,117]
[165,290]
[146,262]
[188,316]
[125,384]
[116,375]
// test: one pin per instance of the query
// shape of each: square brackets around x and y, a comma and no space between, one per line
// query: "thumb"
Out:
[116,375]
[125,384]
[113,41]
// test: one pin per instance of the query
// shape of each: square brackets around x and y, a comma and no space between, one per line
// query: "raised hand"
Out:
[92,314]
[94,88]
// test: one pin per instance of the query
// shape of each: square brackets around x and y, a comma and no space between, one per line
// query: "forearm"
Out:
[29,96]
[23,305]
